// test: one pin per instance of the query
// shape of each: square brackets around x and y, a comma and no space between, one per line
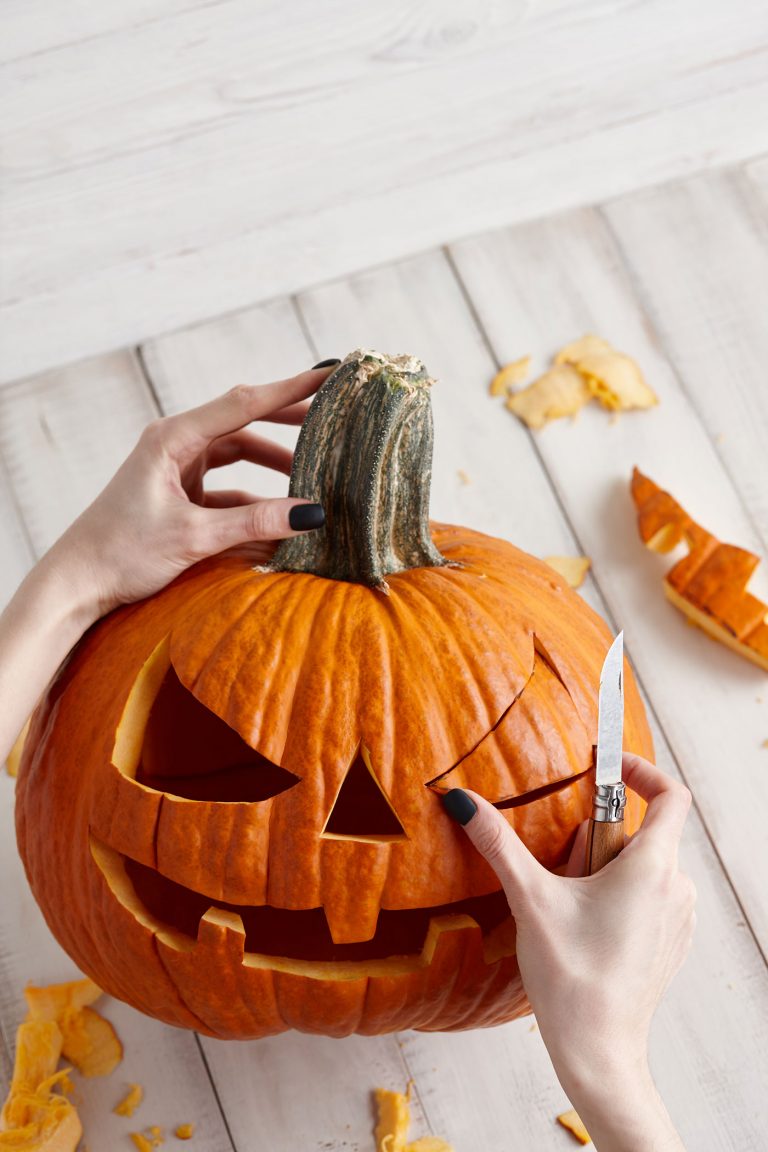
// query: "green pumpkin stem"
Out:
[365,453]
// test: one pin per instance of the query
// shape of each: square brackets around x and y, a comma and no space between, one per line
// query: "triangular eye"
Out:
[189,752]
[362,811]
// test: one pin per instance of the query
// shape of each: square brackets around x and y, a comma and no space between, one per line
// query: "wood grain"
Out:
[63,435]
[605,839]
[162,170]
[705,289]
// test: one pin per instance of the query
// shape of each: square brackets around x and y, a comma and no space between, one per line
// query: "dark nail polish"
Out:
[326,363]
[458,805]
[304,517]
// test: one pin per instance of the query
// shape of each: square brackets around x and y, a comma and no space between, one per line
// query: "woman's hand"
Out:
[596,954]
[154,518]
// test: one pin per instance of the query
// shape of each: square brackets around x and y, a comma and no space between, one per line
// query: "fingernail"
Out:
[459,805]
[303,517]
[326,363]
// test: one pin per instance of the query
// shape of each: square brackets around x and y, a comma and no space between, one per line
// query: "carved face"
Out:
[256,838]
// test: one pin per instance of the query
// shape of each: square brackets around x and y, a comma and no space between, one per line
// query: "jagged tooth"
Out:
[351,923]
[222,930]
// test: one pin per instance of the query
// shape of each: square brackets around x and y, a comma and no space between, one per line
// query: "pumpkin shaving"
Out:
[36,1117]
[575,1125]
[585,369]
[709,584]
[511,374]
[394,1118]
[573,569]
[130,1102]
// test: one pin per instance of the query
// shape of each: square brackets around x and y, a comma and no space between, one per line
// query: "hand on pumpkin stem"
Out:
[596,954]
[154,518]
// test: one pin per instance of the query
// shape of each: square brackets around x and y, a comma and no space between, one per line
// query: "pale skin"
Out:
[596,953]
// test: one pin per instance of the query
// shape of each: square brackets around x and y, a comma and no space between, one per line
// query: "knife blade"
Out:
[605,837]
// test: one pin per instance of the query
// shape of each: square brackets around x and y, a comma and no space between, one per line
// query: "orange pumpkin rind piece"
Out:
[184,1131]
[394,1118]
[708,584]
[571,1121]
[39,1119]
[573,569]
[53,1001]
[90,1042]
[14,756]
[561,391]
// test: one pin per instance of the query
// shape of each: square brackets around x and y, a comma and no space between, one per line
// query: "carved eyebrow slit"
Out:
[538,746]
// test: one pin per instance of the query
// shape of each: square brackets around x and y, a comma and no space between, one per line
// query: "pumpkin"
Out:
[229,800]
[709,584]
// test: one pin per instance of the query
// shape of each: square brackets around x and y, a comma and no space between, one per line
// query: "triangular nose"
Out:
[362,811]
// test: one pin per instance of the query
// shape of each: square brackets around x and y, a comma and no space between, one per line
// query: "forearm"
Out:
[622,1112]
[47,616]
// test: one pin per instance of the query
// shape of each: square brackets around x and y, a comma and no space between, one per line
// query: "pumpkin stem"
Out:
[365,453]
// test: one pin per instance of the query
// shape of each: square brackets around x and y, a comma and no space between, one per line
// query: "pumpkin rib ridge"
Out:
[469,671]
[490,732]
[204,1027]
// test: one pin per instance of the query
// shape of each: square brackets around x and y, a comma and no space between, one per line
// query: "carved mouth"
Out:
[300,940]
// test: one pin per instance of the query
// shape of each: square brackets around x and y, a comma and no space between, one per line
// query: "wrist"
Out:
[619,1104]
[65,594]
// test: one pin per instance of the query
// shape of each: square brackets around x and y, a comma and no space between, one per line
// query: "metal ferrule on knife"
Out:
[609,803]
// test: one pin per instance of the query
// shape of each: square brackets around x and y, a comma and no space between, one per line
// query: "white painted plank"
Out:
[261,1083]
[495,1089]
[193,165]
[254,347]
[31,27]
[535,289]
[15,550]
[61,437]
[699,256]
[64,434]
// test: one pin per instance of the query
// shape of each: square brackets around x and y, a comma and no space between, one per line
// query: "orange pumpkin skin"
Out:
[419,689]
[482,675]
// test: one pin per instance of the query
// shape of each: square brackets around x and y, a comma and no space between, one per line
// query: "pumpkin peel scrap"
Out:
[573,1123]
[709,584]
[393,1122]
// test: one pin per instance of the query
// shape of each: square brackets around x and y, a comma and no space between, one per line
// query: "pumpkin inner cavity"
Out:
[361,810]
[304,934]
[188,752]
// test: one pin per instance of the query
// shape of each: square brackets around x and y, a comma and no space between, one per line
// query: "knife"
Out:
[605,835]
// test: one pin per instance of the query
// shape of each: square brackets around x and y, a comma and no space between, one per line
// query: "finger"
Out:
[193,430]
[668,800]
[263,520]
[248,446]
[519,871]
[228,498]
[293,414]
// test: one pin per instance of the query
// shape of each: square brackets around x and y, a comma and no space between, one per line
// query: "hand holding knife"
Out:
[605,837]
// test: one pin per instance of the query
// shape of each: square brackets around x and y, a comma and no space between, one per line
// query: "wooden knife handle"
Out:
[605,839]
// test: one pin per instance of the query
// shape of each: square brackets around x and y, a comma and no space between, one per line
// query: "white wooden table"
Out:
[144,212]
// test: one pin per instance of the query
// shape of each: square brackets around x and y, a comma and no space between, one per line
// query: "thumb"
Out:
[520,873]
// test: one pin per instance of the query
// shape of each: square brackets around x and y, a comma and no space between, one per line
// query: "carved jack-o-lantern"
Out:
[228,804]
